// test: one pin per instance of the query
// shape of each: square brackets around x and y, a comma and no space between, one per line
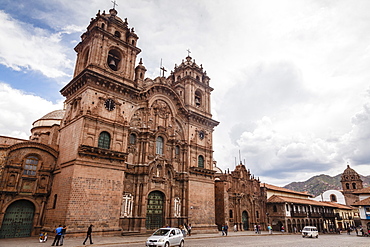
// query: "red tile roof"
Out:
[362,191]
[365,202]
[284,199]
[277,188]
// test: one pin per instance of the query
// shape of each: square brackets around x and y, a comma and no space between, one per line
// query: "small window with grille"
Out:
[31,166]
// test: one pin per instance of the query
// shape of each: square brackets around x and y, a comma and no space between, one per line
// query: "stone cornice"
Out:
[194,116]
[101,153]
[201,171]
[88,77]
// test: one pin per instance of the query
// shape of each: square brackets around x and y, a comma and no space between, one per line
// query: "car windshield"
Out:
[161,232]
[309,229]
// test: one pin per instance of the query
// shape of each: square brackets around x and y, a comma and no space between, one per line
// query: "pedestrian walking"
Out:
[64,230]
[282,229]
[226,228]
[58,232]
[189,230]
[270,229]
[88,235]
[235,228]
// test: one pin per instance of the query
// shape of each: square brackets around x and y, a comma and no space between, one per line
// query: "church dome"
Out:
[50,119]
[58,114]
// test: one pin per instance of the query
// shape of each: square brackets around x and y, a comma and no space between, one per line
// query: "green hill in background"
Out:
[318,184]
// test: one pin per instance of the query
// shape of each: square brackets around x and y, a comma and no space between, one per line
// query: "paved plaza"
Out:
[245,238]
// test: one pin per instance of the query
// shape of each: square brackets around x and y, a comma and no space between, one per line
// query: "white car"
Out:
[310,231]
[166,237]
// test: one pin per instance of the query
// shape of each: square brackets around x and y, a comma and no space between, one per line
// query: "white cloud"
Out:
[18,110]
[289,76]
[25,47]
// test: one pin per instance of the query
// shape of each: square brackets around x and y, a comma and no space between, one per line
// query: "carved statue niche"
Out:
[12,179]
[137,120]
[161,111]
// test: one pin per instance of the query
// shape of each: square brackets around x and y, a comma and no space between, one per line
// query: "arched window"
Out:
[198,98]
[274,208]
[200,161]
[132,139]
[86,57]
[104,140]
[159,145]
[31,166]
[230,214]
[114,59]
[117,34]
[257,214]
[347,186]
[354,186]
[103,26]
[333,198]
[177,150]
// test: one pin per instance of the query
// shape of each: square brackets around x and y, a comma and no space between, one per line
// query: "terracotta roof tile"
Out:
[365,202]
[362,191]
[283,199]
[338,205]
[277,188]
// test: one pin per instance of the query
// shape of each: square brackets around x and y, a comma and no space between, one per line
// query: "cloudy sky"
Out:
[290,78]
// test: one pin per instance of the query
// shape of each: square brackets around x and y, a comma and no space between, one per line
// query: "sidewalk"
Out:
[117,240]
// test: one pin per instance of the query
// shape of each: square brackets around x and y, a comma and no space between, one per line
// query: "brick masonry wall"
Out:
[87,195]
[202,202]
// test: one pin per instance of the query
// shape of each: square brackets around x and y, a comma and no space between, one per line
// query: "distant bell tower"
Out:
[351,181]
[192,84]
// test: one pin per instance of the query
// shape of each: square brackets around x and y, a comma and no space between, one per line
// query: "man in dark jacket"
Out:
[88,235]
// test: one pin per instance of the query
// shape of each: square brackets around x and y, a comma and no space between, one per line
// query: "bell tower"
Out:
[192,84]
[108,47]
[89,177]
[351,181]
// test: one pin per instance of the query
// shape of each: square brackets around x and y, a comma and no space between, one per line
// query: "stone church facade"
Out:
[127,153]
[240,200]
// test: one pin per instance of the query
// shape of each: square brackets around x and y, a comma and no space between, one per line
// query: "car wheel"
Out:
[167,244]
[317,236]
[302,236]
[181,244]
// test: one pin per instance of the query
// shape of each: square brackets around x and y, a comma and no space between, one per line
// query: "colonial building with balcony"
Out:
[363,206]
[293,210]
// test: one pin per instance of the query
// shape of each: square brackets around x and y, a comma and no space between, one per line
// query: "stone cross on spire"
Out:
[114,4]
[188,50]
[162,68]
